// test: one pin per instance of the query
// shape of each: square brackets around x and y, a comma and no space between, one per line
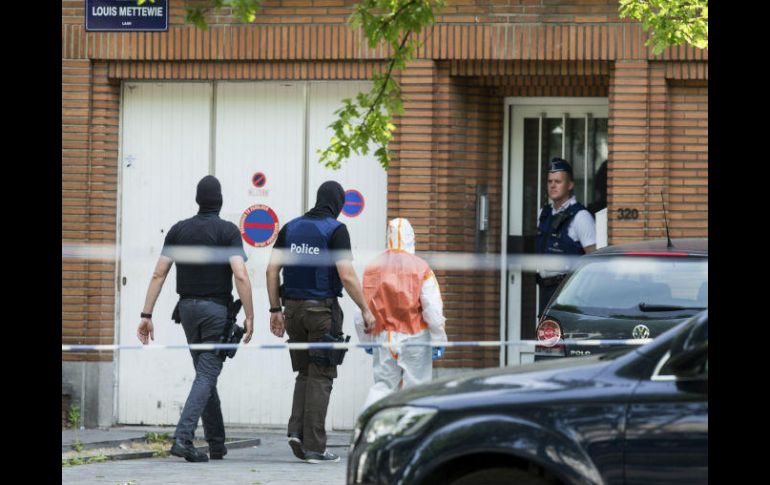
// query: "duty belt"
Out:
[326,302]
[222,300]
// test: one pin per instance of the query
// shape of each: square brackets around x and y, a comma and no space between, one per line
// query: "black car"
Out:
[624,292]
[637,416]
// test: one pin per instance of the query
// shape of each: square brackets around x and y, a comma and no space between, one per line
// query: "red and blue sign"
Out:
[354,203]
[259,226]
[259,180]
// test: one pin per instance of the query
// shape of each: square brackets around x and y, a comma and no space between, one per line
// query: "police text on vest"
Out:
[304,249]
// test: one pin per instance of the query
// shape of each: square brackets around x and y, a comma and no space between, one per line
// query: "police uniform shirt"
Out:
[210,279]
[582,228]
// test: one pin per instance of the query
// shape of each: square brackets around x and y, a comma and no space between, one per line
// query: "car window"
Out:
[662,371]
[618,286]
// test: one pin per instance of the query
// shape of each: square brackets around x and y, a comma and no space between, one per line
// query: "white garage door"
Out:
[267,128]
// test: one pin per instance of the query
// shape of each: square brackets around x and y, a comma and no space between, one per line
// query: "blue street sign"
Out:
[126,16]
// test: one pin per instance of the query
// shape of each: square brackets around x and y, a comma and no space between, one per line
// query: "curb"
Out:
[240,443]
[101,444]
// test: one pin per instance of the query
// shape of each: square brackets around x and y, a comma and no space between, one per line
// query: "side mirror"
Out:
[690,348]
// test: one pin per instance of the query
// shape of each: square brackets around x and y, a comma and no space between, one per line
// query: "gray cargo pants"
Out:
[203,322]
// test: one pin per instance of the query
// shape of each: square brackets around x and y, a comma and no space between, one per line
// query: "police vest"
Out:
[311,273]
[552,231]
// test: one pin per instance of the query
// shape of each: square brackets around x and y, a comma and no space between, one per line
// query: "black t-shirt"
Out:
[339,242]
[214,279]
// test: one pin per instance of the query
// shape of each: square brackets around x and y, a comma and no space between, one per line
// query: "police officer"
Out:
[564,226]
[205,291]
[315,255]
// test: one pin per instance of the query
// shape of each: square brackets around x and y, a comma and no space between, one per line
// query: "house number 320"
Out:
[628,214]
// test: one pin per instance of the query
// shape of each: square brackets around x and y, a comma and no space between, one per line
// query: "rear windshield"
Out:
[617,286]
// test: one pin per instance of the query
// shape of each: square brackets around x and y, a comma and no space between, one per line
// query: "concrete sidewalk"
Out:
[272,462]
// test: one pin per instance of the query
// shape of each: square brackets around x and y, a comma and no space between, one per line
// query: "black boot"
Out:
[186,450]
[217,450]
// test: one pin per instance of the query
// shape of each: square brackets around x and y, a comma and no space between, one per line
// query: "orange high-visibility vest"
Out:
[392,285]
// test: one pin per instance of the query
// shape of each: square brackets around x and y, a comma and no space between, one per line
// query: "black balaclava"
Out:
[329,201]
[209,195]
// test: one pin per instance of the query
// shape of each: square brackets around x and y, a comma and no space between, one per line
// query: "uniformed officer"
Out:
[314,253]
[205,292]
[564,226]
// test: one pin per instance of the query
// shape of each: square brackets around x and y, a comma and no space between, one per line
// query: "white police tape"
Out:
[449,260]
[349,345]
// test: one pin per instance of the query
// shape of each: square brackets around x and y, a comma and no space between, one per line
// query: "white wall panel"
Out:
[257,127]
[367,234]
[165,151]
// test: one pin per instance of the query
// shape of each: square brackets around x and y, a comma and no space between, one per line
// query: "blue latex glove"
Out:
[368,350]
[438,352]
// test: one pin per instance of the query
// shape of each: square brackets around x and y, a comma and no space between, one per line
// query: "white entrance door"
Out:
[272,128]
[538,129]
[164,152]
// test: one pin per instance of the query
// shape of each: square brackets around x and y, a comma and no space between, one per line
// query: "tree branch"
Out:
[387,76]
[393,17]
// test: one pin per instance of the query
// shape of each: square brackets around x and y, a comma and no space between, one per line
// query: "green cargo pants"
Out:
[308,321]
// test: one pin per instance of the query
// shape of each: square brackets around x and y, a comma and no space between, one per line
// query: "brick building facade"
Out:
[448,142]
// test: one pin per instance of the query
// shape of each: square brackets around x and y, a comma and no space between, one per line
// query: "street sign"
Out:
[259,226]
[354,203]
[126,16]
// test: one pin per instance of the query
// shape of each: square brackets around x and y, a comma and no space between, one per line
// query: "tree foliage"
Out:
[369,118]
[673,22]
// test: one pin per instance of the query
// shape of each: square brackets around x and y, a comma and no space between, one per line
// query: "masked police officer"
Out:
[314,253]
[205,292]
[564,226]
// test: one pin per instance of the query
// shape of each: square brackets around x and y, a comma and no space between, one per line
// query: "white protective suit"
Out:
[402,292]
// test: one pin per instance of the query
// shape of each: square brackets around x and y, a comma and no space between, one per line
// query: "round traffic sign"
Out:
[259,226]
[259,180]
[354,203]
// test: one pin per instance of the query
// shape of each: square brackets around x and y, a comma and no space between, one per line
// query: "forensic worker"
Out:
[402,292]
[205,293]
[564,226]
[314,253]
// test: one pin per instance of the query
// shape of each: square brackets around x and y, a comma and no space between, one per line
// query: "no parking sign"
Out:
[354,203]
[259,180]
[259,226]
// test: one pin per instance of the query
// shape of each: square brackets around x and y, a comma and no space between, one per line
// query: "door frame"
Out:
[511,330]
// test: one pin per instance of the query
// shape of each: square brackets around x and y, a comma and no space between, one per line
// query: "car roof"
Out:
[691,246]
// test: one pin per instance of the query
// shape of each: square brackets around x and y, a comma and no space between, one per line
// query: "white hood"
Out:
[401,235]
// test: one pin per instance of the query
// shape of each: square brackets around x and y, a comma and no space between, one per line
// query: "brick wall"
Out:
[470,155]
[658,144]
[90,119]
[687,156]
[456,11]
[507,29]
